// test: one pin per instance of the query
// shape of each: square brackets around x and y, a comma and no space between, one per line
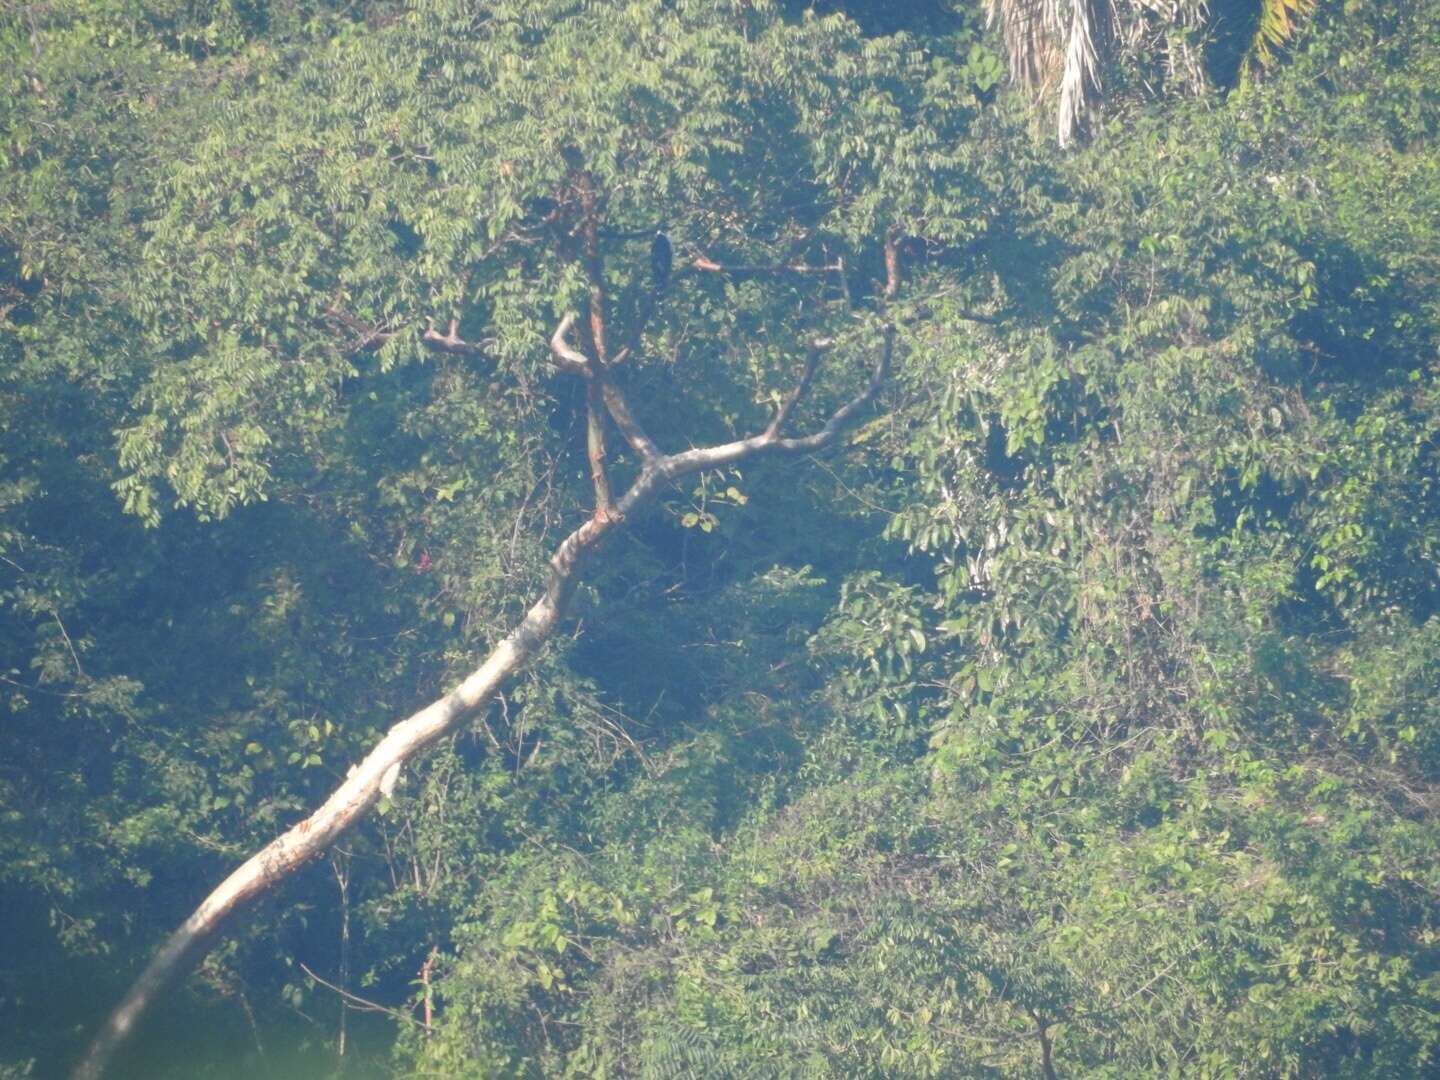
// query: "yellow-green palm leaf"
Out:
[1275,27]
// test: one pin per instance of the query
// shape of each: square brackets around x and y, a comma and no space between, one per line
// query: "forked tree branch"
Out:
[369,780]
[368,338]
[568,358]
[450,341]
[770,440]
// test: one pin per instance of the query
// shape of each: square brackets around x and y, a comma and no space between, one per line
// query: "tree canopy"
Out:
[1073,712]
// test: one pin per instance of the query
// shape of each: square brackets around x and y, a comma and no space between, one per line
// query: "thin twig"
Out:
[365,1004]
[68,643]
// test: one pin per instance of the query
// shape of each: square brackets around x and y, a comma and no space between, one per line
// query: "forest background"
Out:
[1076,714]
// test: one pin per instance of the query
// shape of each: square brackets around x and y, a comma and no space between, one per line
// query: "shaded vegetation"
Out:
[1081,714]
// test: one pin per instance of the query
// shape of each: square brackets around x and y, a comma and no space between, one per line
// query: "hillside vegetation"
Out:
[1074,713]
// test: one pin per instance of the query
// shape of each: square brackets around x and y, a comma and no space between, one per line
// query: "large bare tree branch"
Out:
[629,427]
[374,776]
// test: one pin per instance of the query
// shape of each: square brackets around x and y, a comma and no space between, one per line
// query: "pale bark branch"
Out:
[846,412]
[367,781]
[715,457]
[568,358]
[812,361]
[703,264]
[625,420]
[290,851]
[450,341]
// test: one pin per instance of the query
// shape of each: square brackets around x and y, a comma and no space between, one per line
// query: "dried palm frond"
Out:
[1080,84]
[1170,33]
[1063,47]
[1052,43]
[1028,28]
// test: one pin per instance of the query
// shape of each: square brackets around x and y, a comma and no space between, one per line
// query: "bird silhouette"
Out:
[662,258]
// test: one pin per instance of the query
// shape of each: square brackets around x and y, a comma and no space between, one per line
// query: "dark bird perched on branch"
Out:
[662,258]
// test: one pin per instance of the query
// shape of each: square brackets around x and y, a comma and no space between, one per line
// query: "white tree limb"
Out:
[367,781]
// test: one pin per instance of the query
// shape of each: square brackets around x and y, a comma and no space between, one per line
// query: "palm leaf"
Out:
[1044,51]
[1028,28]
[1276,25]
[1080,83]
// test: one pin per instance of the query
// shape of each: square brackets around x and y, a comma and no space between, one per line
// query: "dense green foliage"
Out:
[1082,714]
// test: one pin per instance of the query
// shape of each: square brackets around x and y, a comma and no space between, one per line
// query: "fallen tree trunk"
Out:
[374,776]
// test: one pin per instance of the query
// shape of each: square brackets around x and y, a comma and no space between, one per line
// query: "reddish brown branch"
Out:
[568,358]
[893,268]
[638,327]
[584,185]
